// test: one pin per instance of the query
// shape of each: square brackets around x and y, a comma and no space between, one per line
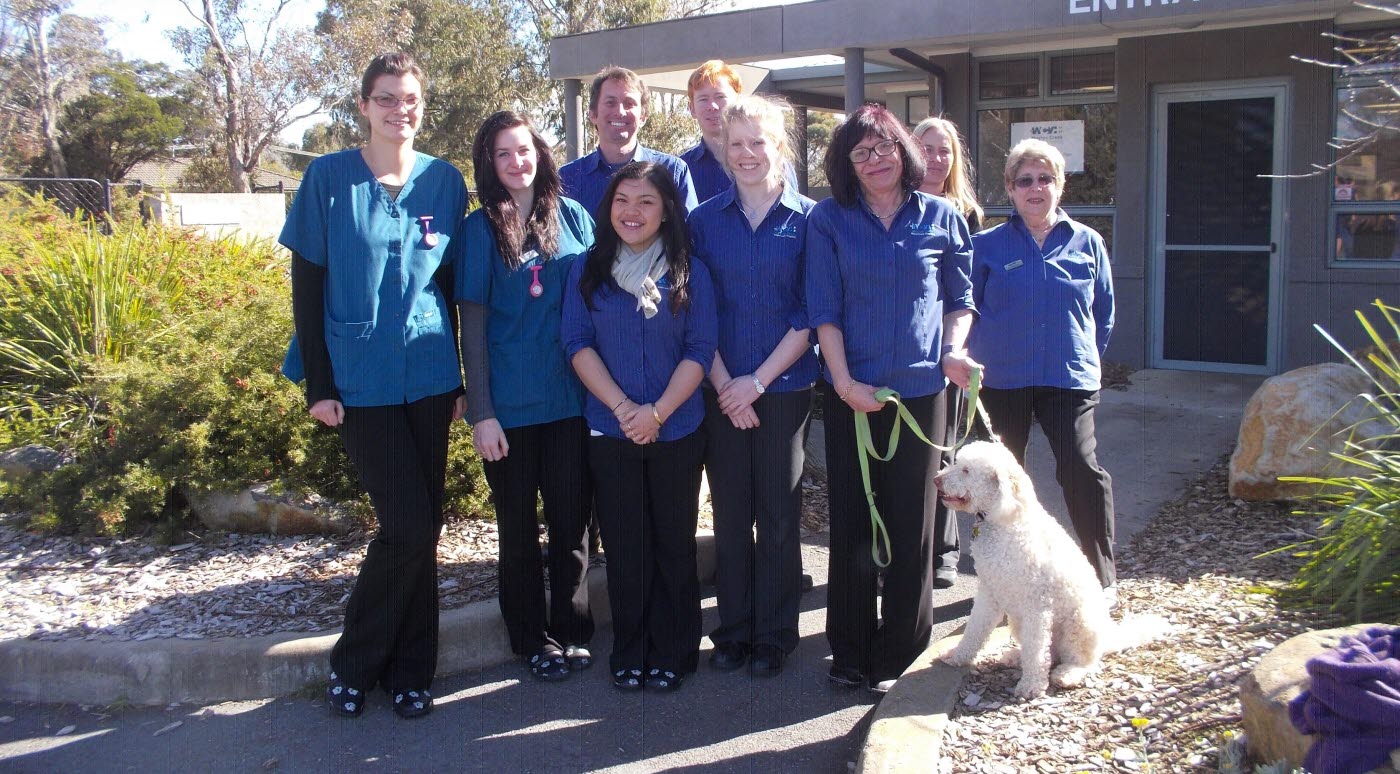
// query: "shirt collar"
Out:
[789,198]
[601,163]
[908,197]
[1060,219]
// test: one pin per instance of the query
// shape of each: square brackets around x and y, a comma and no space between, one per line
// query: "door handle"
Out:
[1273,247]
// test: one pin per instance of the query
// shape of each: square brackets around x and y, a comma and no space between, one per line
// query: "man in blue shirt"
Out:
[712,86]
[617,108]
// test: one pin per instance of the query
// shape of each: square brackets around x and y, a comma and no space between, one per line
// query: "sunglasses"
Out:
[1026,181]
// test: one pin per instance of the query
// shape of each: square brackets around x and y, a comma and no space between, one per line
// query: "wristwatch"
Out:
[757,385]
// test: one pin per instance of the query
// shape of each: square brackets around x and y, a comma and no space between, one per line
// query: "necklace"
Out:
[758,212]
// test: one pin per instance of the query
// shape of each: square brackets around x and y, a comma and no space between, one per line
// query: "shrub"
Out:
[190,400]
[1353,564]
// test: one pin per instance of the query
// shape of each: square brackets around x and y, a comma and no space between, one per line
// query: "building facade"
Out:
[1199,136]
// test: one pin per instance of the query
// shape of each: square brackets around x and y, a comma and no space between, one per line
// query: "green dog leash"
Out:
[866,449]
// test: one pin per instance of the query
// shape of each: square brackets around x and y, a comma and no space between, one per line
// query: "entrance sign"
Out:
[1067,136]
[1094,6]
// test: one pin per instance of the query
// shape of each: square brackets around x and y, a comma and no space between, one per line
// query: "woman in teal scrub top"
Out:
[369,230]
[524,402]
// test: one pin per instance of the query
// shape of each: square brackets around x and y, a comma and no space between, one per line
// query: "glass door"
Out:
[1216,224]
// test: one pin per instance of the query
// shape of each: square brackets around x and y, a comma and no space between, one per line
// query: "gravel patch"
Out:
[228,585]
[1197,564]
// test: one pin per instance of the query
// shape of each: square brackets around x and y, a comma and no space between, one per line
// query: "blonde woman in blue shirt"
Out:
[524,402]
[369,230]
[751,236]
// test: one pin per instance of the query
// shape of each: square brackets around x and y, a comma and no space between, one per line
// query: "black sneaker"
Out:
[767,661]
[846,677]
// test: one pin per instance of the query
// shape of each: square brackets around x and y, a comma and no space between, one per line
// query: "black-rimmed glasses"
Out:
[881,149]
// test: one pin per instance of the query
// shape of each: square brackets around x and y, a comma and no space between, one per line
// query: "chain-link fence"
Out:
[75,195]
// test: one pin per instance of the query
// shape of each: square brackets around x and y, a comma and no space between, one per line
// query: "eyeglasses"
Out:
[881,149]
[1026,181]
[389,101]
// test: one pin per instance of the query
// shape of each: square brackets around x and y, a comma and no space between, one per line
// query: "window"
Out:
[1068,99]
[916,108]
[1365,216]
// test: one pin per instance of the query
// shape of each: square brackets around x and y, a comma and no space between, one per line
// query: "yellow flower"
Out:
[1140,723]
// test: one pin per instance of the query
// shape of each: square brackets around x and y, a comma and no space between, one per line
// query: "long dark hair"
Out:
[542,226]
[868,120]
[675,239]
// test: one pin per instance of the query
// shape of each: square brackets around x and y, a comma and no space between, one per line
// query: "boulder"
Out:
[256,510]
[1265,693]
[20,463]
[1292,423]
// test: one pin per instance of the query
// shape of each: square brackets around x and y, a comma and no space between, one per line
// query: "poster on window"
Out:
[1068,136]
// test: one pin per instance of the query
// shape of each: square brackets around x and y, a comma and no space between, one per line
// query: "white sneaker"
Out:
[1111,594]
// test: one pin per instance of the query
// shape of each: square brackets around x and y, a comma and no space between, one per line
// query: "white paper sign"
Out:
[1068,136]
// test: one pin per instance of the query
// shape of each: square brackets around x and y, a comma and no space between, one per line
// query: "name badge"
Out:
[785,230]
[1016,264]
[529,257]
[922,229]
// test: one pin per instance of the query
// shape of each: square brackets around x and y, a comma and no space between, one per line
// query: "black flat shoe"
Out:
[767,661]
[663,680]
[549,665]
[729,656]
[578,657]
[343,700]
[846,677]
[412,704]
[628,679]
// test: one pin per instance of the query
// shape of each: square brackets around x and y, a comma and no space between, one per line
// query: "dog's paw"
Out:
[958,657]
[1066,676]
[1009,657]
[1031,688]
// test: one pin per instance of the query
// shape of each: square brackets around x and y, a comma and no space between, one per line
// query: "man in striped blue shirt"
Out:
[617,108]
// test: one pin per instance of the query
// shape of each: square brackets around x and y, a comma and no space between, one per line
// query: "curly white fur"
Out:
[1030,570]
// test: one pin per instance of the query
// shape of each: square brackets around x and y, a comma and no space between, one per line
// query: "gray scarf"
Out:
[637,274]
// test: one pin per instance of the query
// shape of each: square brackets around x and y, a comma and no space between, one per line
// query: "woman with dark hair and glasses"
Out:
[889,292]
[639,327]
[524,403]
[372,238]
[1045,294]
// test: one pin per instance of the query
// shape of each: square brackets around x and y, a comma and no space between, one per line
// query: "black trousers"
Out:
[648,504]
[547,462]
[945,522]
[1067,417]
[756,482]
[391,619]
[880,646]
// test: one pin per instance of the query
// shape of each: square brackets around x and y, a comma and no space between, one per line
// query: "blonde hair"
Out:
[715,72]
[769,114]
[1035,150]
[959,188]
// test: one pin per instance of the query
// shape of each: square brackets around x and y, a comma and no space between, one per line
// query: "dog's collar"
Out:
[977,520]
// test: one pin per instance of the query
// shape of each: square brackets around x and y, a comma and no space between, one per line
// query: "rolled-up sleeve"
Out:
[1103,296]
[576,331]
[701,320]
[823,272]
[955,273]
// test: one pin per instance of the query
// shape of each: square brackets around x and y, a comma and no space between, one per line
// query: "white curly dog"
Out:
[1030,570]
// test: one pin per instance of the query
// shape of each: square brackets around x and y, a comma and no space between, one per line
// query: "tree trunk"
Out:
[48,98]
[233,124]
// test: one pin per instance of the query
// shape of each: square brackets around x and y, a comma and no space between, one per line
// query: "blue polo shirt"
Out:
[1045,314]
[758,281]
[531,381]
[641,354]
[386,320]
[888,290]
[586,179]
[706,171]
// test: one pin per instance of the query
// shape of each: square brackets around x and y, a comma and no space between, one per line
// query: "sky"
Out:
[137,28]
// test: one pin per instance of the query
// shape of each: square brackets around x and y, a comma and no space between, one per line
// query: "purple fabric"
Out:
[1353,703]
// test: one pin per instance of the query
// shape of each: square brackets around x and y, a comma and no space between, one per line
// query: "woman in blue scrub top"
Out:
[524,403]
[639,328]
[368,231]
[889,293]
[750,236]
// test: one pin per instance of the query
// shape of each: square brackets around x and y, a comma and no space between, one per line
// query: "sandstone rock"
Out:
[1289,427]
[25,461]
[256,510]
[1277,680]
